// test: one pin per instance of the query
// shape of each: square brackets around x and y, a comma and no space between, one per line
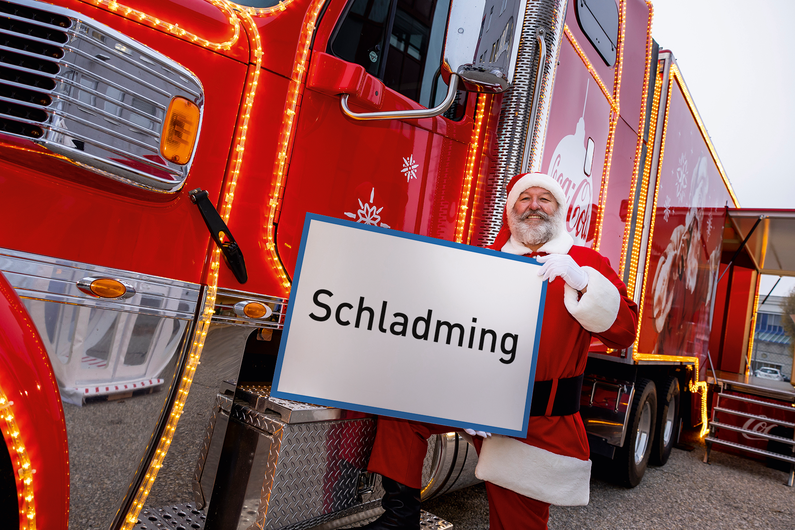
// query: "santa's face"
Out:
[532,219]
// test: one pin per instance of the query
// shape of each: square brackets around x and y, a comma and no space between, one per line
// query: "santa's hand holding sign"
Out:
[584,299]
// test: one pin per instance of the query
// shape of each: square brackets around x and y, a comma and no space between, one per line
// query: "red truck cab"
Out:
[159,158]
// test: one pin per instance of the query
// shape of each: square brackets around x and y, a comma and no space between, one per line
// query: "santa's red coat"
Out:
[562,353]
[552,464]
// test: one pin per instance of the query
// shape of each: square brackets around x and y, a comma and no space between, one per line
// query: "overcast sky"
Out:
[737,62]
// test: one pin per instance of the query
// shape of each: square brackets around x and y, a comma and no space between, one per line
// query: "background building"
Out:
[772,345]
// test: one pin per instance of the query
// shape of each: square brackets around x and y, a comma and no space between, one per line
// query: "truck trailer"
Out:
[170,151]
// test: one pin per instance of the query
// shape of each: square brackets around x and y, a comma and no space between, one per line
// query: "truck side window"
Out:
[401,43]
[361,37]
[598,19]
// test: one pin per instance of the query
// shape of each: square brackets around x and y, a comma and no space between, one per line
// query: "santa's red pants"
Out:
[399,450]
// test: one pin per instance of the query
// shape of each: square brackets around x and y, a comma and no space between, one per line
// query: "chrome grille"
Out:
[515,119]
[89,93]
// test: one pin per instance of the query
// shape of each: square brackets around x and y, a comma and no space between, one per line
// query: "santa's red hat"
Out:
[530,180]
[516,186]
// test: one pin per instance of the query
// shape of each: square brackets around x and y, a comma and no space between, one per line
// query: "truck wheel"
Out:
[668,413]
[631,460]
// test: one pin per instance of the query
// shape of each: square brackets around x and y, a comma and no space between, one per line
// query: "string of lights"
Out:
[475,148]
[286,134]
[676,75]
[174,28]
[633,191]
[752,333]
[644,189]
[614,114]
[265,11]
[641,307]
[611,135]
[23,468]
[695,385]
[202,327]
[590,68]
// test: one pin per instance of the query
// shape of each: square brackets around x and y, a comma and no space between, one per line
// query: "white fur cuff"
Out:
[598,307]
[534,472]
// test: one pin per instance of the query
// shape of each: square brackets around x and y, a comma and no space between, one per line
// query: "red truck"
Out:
[170,151]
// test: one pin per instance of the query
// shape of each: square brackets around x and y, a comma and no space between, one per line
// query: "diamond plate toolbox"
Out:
[283,474]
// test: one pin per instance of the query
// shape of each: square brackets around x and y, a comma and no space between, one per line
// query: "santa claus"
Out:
[584,299]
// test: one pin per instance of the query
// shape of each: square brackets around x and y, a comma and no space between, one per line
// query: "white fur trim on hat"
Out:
[536,179]
[596,310]
[534,472]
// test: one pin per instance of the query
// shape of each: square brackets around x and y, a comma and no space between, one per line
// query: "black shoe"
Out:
[401,508]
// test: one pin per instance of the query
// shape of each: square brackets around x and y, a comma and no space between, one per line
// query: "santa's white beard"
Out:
[535,234]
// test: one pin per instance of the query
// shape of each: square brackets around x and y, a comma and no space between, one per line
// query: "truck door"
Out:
[401,174]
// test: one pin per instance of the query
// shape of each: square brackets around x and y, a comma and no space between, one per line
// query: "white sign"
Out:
[401,325]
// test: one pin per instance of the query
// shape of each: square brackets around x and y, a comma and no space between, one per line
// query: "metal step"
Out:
[757,390]
[750,449]
[754,416]
[171,517]
[754,433]
[756,401]
[187,517]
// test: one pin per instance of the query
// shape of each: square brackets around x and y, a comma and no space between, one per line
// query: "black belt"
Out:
[567,397]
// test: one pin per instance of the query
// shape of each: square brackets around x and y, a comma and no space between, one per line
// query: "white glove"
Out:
[564,266]
[473,432]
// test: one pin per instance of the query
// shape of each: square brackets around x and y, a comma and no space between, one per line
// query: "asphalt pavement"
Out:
[731,492]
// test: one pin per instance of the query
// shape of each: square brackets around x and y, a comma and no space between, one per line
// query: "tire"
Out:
[632,459]
[668,422]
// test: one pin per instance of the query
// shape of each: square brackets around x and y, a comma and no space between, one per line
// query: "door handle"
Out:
[405,114]
[233,256]
[332,76]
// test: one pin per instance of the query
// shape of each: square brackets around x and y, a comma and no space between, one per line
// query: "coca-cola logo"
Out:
[578,200]
[566,183]
[579,213]
[755,425]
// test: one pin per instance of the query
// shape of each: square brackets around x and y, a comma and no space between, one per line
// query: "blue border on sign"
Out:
[310,217]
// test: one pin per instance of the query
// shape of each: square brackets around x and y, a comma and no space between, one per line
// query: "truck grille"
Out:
[89,93]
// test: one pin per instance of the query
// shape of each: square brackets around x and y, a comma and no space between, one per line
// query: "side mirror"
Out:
[482,50]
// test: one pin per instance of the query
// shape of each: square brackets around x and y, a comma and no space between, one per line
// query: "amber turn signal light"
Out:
[105,288]
[253,309]
[180,129]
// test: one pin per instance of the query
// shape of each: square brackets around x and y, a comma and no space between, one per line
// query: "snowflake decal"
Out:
[681,177]
[367,213]
[709,226]
[409,168]
[667,212]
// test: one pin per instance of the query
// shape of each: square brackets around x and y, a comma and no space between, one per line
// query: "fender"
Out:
[31,420]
